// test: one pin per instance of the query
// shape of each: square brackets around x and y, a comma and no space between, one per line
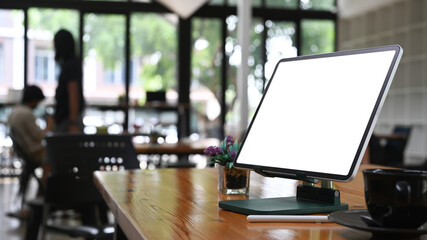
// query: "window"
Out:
[255,3]
[280,43]
[232,51]
[293,4]
[318,36]
[153,68]
[256,75]
[327,5]
[44,68]
[104,53]
[43,24]
[154,37]
[205,90]
[11,53]
[256,64]
[41,66]
[153,60]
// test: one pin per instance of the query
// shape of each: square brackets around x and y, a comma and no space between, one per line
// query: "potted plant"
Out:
[231,180]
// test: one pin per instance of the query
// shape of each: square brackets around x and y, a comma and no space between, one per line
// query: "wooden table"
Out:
[183,204]
[180,148]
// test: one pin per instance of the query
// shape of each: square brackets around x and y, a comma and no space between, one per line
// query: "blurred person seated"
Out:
[23,123]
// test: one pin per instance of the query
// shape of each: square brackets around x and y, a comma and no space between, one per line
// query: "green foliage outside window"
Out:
[282,3]
[51,20]
[154,44]
[105,34]
[318,36]
[206,62]
[206,59]
[318,4]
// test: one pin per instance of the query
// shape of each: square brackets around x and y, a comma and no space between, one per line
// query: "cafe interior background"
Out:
[193,55]
[143,50]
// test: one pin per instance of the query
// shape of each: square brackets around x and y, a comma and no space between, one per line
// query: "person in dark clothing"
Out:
[69,92]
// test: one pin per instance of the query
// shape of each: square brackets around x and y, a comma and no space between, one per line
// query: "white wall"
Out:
[401,22]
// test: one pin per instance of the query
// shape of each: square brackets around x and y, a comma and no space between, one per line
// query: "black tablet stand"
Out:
[308,200]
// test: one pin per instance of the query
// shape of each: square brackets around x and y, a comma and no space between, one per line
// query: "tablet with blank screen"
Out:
[317,114]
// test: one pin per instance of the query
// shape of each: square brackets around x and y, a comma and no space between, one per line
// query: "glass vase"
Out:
[233,181]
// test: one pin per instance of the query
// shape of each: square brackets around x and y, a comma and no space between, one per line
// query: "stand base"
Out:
[276,206]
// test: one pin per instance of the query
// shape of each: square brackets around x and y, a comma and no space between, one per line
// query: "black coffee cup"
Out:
[396,198]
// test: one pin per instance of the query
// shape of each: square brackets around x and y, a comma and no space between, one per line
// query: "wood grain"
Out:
[183,204]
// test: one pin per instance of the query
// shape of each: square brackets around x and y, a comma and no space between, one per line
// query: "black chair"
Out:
[395,147]
[28,170]
[73,159]
[390,153]
[81,154]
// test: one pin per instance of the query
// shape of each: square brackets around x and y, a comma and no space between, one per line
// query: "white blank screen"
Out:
[315,112]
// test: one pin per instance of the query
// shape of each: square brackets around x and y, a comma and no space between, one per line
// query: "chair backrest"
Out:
[74,158]
[404,130]
[81,154]
[395,147]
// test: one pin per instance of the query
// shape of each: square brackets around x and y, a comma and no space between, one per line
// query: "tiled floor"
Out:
[13,228]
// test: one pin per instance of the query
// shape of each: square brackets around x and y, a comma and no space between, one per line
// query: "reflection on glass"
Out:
[280,44]
[104,43]
[205,89]
[153,55]
[318,36]
[43,24]
[282,3]
[11,53]
[325,5]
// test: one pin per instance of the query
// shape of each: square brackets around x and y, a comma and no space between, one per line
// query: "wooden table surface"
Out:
[180,148]
[183,204]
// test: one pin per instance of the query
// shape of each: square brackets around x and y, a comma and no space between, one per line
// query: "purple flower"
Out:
[233,155]
[225,154]
[212,150]
[229,140]
[217,150]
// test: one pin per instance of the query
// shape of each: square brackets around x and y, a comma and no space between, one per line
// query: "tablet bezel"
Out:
[307,175]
